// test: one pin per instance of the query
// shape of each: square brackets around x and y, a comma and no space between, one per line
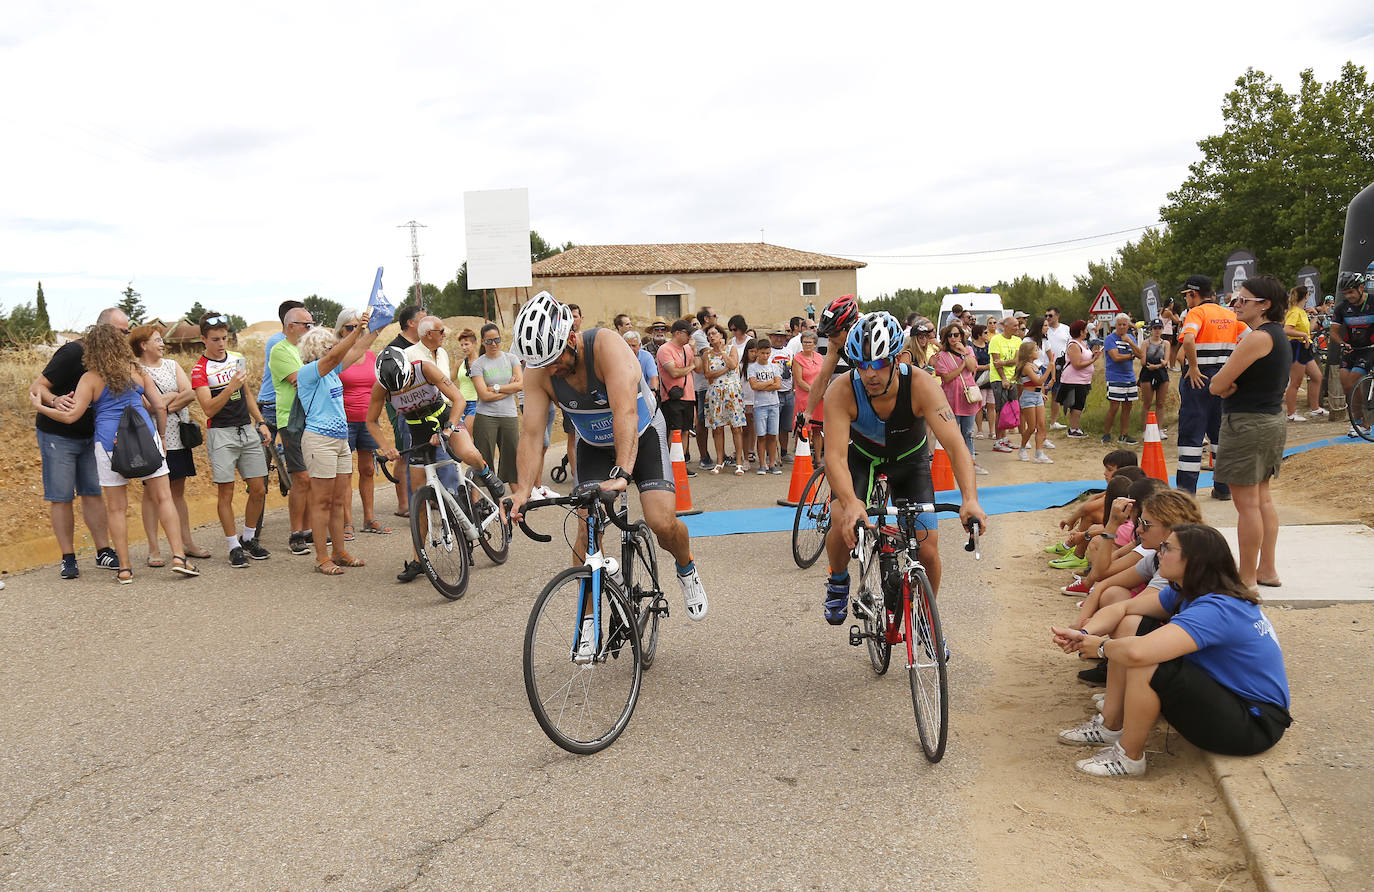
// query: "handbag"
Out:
[972,393]
[135,453]
[1010,416]
[191,434]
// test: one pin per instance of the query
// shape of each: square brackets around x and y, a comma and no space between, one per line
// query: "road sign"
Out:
[1106,303]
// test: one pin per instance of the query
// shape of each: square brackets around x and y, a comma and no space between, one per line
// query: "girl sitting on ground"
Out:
[1089,520]
[1109,556]
[1201,653]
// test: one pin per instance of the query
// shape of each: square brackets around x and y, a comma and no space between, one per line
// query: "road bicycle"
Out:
[1361,409]
[811,523]
[593,630]
[896,605]
[444,526]
[383,465]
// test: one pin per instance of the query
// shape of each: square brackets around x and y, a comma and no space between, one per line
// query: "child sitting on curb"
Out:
[1068,555]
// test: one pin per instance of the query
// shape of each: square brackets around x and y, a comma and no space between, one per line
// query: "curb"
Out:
[1278,855]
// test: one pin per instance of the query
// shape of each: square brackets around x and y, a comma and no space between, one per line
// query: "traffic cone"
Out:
[684,490]
[1152,456]
[941,471]
[801,472]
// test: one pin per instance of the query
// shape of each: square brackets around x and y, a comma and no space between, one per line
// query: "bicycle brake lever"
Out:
[972,544]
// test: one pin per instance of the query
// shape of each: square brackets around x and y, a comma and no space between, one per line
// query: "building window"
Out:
[810,287]
[669,306]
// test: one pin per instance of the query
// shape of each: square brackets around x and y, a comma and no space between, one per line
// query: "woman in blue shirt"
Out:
[1200,652]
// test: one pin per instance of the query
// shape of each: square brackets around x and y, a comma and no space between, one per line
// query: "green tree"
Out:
[41,317]
[195,312]
[20,327]
[541,249]
[131,303]
[237,323]
[323,310]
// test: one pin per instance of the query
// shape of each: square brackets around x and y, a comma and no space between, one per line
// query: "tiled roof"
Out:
[726,257]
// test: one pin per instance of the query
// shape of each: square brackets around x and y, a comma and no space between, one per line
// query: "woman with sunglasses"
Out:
[1251,385]
[1201,653]
[955,365]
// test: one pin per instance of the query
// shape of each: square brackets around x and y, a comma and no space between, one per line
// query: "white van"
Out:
[980,303]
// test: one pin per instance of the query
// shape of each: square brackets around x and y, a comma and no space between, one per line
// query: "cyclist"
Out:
[836,319]
[424,397]
[621,433]
[882,410]
[1352,326]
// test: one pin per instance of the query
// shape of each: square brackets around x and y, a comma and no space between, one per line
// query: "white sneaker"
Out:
[1043,459]
[586,642]
[1163,434]
[1023,454]
[1091,733]
[1047,444]
[1112,762]
[980,470]
[1056,426]
[1296,417]
[1318,412]
[694,594]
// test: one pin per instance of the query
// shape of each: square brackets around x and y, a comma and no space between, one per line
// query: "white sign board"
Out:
[1105,304]
[497,226]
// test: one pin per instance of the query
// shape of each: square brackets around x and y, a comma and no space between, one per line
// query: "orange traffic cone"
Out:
[1152,456]
[801,472]
[941,471]
[684,490]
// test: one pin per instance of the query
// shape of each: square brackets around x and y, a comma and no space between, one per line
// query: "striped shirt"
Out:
[1215,331]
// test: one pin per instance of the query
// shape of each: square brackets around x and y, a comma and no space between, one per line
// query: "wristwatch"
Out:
[1101,654]
[620,472]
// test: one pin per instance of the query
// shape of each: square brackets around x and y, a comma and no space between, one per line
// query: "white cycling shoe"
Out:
[694,594]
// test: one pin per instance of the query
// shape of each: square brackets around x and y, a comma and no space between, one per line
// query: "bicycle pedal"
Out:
[660,606]
[855,636]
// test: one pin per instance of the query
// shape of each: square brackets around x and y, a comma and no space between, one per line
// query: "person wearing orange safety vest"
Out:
[1210,332]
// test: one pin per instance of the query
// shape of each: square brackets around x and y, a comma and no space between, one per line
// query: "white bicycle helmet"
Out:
[541,331]
[875,336]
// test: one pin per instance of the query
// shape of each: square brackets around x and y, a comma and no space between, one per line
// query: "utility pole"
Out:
[415,258]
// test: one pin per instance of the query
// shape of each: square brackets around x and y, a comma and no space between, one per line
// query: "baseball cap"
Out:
[1158,323]
[1199,283]
[1020,315]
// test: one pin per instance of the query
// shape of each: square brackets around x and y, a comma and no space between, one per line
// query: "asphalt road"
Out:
[271,727]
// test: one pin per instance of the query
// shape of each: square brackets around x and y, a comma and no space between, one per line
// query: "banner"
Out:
[381,309]
[496,224]
[1311,279]
[1241,265]
[1357,249]
[1149,301]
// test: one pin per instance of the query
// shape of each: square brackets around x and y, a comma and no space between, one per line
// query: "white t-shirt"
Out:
[763,373]
[782,360]
[1057,339]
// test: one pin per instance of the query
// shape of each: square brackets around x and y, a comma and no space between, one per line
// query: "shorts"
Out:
[68,467]
[359,438]
[326,457]
[1122,393]
[999,395]
[1156,378]
[291,448]
[110,477]
[652,471]
[787,409]
[180,464]
[988,398]
[1302,353]
[766,420]
[1211,716]
[1030,399]
[1358,360]
[1074,397]
[235,447]
[679,414]
[1252,448]
[908,478]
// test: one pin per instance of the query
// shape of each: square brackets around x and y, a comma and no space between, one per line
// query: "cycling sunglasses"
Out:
[873,365]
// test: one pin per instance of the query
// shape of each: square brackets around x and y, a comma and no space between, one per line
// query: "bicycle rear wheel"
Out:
[926,667]
[583,706]
[493,532]
[439,544]
[870,597]
[644,594]
[1362,406]
[812,520]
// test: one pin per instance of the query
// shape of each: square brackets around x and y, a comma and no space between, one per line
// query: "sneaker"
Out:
[1318,412]
[693,594]
[1077,587]
[980,471]
[1056,426]
[1043,459]
[237,559]
[1106,439]
[1352,433]
[1047,444]
[255,550]
[1128,440]
[1112,762]
[776,470]
[1023,454]
[1070,561]
[298,544]
[706,464]
[309,536]
[690,472]
[69,568]
[1002,447]
[1163,434]
[1296,417]
[107,559]
[1096,676]
[761,471]
[786,458]
[1091,733]
[409,571]
[1058,549]
[1076,434]
[586,642]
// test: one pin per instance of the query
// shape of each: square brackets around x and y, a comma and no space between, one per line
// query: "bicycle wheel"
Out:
[493,532]
[644,594]
[871,609]
[439,544]
[1361,404]
[581,705]
[383,465]
[812,520]
[926,667]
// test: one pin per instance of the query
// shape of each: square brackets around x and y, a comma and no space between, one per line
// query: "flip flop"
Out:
[199,555]
[124,576]
[156,563]
[401,513]
[185,568]
[373,526]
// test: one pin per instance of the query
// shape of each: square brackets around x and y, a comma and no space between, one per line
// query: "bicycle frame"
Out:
[465,523]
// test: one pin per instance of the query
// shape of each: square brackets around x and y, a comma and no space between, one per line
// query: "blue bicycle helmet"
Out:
[875,336]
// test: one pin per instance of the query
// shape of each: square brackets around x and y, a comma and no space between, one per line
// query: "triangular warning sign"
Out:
[1106,303]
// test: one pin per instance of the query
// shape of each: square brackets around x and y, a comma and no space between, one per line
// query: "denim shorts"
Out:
[68,467]
[359,438]
[1032,398]
[766,420]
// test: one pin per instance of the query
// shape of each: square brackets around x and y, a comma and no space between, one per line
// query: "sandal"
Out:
[373,526]
[739,470]
[186,568]
[349,532]
[344,559]
[716,469]
[124,576]
[328,568]
[199,554]
[401,513]
[156,562]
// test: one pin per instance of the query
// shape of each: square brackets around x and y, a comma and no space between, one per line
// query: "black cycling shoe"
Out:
[410,571]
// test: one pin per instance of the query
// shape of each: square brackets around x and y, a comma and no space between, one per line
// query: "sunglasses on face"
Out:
[310,324]
[491,340]
[873,364]
[350,327]
[439,331]
[1166,547]
[1240,300]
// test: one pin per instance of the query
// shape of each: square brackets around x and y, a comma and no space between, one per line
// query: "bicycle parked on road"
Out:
[896,605]
[593,630]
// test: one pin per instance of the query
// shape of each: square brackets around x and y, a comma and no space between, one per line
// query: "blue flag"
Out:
[381,309]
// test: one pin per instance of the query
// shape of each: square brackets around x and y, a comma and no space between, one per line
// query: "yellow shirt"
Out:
[1004,348]
[1297,318]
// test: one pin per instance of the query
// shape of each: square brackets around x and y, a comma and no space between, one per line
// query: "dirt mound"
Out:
[1329,479]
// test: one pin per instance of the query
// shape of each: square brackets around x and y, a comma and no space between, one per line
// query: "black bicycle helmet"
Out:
[838,316]
[394,371]
[1349,279]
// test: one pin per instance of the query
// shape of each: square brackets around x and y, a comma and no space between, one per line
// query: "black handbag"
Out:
[191,434]
[135,453]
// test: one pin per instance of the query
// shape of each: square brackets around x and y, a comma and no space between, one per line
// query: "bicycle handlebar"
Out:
[907,507]
[583,497]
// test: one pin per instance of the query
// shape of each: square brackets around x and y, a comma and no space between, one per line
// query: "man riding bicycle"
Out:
[1352,326]
[424,397]
[621,433]
[882,410]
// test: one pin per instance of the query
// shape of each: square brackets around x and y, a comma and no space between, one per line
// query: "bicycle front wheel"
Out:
[493,532]
[1362,407]
[439,544]
[581,702]
[869,606]
[644,594]
[926,667]
[812,520]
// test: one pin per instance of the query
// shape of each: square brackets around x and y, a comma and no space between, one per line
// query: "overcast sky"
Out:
[242,154]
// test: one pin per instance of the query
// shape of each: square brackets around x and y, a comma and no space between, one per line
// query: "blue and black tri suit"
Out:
[896,446]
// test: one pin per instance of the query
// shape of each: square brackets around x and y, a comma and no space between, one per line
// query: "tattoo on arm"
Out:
[944,414]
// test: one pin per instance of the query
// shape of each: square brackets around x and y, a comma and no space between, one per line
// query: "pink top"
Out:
[1077,376]
[357,385]
[946,362]
[807,370]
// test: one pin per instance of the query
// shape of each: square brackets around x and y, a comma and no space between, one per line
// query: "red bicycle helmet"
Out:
[838,316]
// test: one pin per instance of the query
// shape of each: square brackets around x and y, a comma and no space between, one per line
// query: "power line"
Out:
[970,260]
[1069,241]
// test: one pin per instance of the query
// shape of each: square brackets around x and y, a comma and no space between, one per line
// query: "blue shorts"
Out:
[766,420]
[359,438]
[1032,398]
[68,467]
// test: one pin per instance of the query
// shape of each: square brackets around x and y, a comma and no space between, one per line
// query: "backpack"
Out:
[135,453]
